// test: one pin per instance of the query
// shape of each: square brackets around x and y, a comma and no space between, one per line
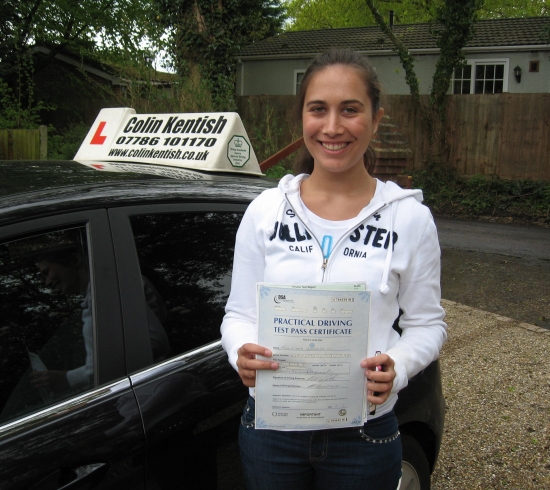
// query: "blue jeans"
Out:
[366,458]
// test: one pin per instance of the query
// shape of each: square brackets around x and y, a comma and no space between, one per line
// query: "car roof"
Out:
[31,189]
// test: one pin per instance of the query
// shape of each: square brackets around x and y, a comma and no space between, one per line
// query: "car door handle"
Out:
[81,475]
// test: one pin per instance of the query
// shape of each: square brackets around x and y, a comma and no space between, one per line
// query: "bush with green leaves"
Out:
[446,192]
[63,145]
[12,113]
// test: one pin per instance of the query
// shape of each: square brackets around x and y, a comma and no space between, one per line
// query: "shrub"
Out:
[446,192]
[63,145]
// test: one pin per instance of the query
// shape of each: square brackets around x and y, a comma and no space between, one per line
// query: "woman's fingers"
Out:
[248,364]
[380,373]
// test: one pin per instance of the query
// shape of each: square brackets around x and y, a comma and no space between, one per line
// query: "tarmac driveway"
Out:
[504,269]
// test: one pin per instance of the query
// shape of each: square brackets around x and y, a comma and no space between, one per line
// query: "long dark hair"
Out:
[346,57]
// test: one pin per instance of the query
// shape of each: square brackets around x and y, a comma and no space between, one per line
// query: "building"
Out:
[505,55]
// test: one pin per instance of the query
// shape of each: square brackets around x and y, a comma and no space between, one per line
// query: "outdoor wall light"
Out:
[517,73]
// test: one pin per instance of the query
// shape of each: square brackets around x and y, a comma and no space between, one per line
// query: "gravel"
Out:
[496,382]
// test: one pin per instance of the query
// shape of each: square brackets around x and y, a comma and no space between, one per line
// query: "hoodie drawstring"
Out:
[384,288]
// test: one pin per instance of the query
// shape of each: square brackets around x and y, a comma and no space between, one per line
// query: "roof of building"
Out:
[102,69]
[488,33]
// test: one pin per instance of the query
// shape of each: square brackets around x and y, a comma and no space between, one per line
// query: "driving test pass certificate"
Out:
[318,335]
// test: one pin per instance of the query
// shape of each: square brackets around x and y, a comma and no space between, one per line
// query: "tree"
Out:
[330,14]
[453,27]
[207,35]
[497,9]
[85,27]
[89,28]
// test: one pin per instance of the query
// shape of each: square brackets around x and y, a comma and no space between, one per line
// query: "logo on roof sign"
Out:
[98,138]
[238,151]
[210,142]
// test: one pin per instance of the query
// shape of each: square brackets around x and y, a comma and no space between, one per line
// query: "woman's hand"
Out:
[247,363]
[379,383]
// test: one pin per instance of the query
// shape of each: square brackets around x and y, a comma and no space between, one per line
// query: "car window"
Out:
[46,320]
[186,261]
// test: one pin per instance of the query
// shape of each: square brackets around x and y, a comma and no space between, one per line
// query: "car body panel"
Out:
[44,449]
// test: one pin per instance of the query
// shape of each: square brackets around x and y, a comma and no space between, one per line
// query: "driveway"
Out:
[504,269]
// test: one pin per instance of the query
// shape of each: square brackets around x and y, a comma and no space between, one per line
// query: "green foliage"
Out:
[330,14]
[209,34]
[455,21]
[278,171]
[13,115]
[143,92]
[89,29]
[447,193]
[266,137]
[502,9]
[63,145]
[85,27]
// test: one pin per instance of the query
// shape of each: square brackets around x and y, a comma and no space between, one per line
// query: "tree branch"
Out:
[26,24]
[407,59]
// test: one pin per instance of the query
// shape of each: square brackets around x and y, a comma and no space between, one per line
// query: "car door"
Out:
[174,263]
[68,416]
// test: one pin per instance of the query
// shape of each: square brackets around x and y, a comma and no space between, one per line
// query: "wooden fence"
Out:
[507,135]
[24,144]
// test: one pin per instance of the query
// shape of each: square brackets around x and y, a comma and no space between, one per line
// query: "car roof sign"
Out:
[207,141]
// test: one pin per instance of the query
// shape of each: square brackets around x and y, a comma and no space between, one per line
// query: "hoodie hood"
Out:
[389,195]
[289,185]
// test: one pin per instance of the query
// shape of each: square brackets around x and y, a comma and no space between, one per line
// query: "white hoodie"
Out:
[275,244]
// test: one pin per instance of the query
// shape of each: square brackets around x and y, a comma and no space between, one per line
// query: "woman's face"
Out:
[61,277]
[337,119]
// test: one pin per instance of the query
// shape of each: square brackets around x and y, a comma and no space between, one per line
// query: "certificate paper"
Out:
[318,335]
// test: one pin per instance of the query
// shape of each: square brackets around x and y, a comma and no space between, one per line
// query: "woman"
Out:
[359,229]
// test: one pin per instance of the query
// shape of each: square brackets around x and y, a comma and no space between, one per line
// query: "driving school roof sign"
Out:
[215,141]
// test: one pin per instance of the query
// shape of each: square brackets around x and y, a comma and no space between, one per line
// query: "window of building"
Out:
[46,309]
[481,77]
[534,66]
[462,79]
[298,76]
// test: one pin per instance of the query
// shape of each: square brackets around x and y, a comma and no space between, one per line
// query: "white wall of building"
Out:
[278,76]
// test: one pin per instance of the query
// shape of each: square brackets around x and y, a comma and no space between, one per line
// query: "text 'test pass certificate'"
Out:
[318,335]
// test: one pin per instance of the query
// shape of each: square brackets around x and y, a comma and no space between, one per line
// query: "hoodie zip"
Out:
[326,259]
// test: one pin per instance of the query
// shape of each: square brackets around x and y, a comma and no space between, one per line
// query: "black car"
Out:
[112,292]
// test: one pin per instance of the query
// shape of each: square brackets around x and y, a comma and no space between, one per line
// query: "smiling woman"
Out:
[302,233]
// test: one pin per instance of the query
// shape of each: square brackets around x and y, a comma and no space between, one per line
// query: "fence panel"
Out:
[23,144]
[526,136]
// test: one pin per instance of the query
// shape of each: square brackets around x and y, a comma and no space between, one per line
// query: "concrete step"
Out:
[392,153]
[383,143]
[390,135]
[387,126]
